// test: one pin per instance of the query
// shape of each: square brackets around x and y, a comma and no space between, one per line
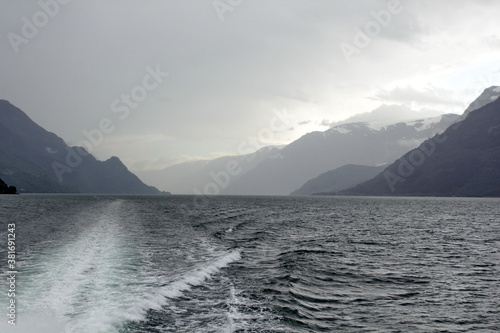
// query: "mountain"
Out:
[463,161]
[38,161]
[286,170]
[489,95]
[206,176]
[339,179]
[6,189]
[178,178]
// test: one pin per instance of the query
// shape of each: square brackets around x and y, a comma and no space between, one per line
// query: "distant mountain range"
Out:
[274,171]
[35,160]
[206,176]
[463,161]
[345,159]
[319,162]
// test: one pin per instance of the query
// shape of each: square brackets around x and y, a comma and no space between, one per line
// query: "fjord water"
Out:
[253,264]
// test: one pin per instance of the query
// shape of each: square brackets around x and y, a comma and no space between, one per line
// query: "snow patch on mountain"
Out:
[424,124]
[418,124]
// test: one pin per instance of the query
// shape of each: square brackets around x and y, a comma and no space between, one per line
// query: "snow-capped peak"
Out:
[489,95]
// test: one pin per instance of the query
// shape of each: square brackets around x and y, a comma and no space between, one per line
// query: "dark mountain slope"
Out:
[463,161]
[35,160]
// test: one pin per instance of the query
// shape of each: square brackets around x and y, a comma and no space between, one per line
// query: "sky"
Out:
[161,82]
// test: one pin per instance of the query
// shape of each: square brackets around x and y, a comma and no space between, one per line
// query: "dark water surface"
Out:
[253,264]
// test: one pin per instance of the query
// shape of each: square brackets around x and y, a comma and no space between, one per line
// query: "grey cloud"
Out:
[226,77]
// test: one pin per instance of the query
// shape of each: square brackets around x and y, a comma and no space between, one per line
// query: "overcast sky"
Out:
[233,65]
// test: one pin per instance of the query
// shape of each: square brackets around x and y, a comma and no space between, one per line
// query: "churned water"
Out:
[252,264]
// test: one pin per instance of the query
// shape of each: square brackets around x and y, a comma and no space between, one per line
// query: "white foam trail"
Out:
[198,275]
[100,279]
[175,289]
